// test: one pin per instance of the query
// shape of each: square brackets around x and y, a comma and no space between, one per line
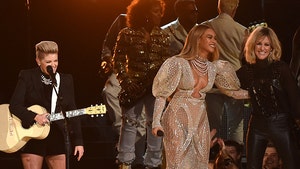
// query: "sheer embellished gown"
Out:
[184,121]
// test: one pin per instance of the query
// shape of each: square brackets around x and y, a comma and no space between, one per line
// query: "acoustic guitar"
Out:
[13,136]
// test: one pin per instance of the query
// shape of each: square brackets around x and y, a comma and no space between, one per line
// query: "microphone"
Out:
[52,75]
[160,133]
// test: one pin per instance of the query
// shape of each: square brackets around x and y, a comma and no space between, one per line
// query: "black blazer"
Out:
[29,91]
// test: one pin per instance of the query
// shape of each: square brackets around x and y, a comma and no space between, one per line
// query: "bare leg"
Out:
[56,161]
[32,161]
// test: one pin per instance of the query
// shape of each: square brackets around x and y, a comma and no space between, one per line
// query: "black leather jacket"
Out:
[272,88]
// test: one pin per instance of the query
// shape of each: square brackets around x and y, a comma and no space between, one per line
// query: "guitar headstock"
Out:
[96,110]
[255,24]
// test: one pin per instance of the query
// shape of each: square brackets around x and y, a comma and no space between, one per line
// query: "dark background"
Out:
[79,27]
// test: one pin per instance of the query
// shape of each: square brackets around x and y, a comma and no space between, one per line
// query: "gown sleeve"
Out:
[228,82]
[164,85]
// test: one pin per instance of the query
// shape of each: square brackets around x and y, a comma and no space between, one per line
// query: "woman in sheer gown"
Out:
[189,76]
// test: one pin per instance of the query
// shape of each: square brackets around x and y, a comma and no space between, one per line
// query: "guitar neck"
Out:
[69,114]
[93,110]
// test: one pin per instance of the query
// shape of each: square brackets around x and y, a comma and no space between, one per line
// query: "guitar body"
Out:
[12,135]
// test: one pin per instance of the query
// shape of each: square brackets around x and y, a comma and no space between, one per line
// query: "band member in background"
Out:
[231,36]
[187,16]
[112,89]
[295,60]
[140,50]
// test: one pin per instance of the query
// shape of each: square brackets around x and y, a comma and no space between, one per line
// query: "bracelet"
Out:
[232,93]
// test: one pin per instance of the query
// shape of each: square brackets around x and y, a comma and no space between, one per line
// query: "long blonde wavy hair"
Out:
[191,47]
[259,33]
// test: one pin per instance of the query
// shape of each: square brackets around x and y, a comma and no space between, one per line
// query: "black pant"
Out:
[275,128]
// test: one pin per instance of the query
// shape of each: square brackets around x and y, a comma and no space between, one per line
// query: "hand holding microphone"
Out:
[158,131]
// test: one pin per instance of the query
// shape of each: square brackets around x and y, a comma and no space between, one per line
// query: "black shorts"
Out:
[53,144]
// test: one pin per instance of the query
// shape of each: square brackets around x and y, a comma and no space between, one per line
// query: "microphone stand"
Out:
[66,126]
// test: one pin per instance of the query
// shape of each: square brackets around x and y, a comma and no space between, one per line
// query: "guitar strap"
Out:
[54,95]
